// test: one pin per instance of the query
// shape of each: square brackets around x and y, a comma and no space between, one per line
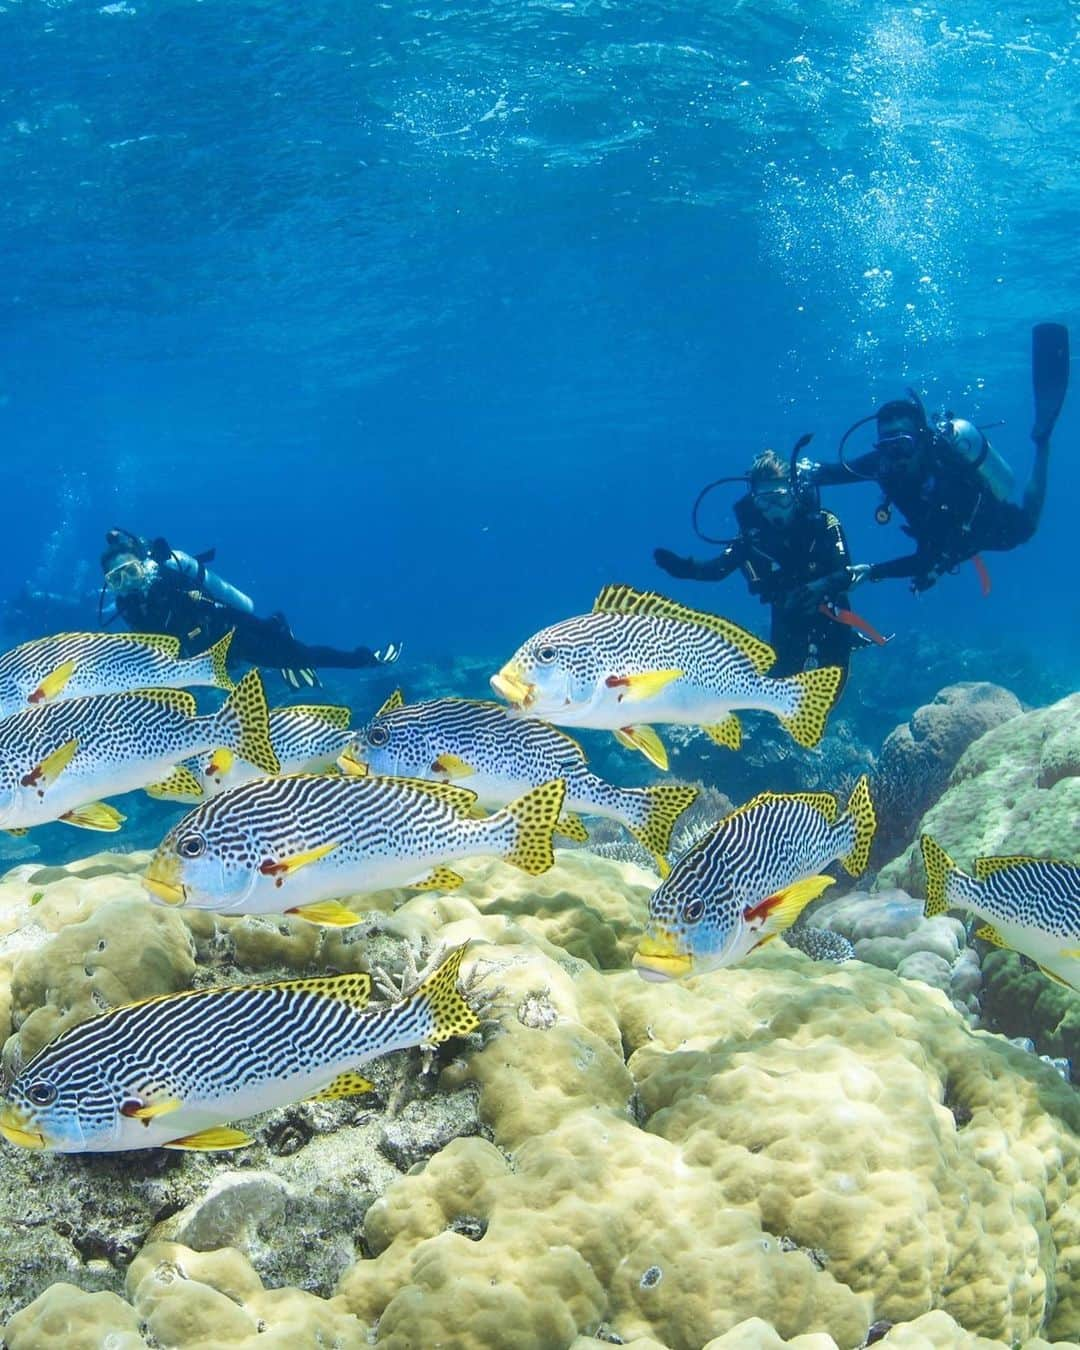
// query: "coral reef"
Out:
[786,1152]
[918,756]
[1016,790]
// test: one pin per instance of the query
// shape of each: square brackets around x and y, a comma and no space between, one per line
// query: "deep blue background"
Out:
[434,319]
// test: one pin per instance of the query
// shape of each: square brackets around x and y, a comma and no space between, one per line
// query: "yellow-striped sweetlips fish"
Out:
[1031,905]
[307,738]
[295,844]
[76,665]
[170,1071]
[58,759]
[498,755]
[640,658]
[750,878]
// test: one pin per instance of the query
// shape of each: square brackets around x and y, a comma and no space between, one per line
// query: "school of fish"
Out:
[293,811]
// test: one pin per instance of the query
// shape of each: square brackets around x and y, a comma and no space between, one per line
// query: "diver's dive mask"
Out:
[127,576]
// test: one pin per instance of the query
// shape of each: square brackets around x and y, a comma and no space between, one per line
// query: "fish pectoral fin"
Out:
[148,1111]
[328,912]
[990,934]
[778,912]
[1070,953]
[285,867]
[348,763]
[217,1137]
[219,763]
[347,1084]
[181,785]
[727,733]
[571,826]
[438,879]
[645,684]
[94,816]
[453,766]
[52,766]
[647,741]
[54,684]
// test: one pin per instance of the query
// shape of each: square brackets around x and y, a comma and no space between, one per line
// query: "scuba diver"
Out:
[155,588]
[948,482]
[794,557]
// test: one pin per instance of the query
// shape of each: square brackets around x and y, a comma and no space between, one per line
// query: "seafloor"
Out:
[789,1152]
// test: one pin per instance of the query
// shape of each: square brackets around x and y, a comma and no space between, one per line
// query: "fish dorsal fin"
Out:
[460,798]
[353,988]
[161,642]
[393,703]
[179,700]
[822,802]
[986,867]
[625,600]
[333,715]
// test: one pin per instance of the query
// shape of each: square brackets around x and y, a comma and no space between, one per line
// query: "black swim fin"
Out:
[1049,375]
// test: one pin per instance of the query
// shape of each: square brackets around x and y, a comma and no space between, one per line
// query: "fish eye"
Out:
[41,1093]
[377,736]
[191,846]
[545,655]
[693,911]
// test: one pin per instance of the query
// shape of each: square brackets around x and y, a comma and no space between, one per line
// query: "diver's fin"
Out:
[1049,375]
[329,913]
[52,766]
[453,766]
[217,1137]
[571,826]
[54,684]
[438,879]
[285,866]
[647,741]
[180,786]
[94,816]
[861,810]
[395,701]
[727,733]
[347,1084]
[637,688]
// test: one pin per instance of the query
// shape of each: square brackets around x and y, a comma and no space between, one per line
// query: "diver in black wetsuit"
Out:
[158,589]
[795,558]
[947,481]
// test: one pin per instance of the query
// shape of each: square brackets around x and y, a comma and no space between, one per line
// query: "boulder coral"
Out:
[783,1153]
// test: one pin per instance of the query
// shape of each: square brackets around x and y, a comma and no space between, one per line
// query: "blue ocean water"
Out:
[433,319]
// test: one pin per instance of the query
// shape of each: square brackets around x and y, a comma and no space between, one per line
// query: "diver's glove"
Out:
[805,599]
[389,654]
[859,572]
[673,565]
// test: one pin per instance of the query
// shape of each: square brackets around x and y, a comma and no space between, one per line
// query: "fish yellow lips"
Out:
[14,1129]
[510,684]
[658,958]
[163,880]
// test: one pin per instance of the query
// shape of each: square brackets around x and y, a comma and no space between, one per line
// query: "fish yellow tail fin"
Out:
[818,689]
[536,816]
[861,809]
[218,655]
[939,868]
[442,1001]
[666,803]
[244,724]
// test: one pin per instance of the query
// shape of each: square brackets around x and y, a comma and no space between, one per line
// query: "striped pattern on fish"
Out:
[1031,905]
[78,665]
[641,659]
[167,1071]
[498,755]
[60,756]
[751,877]
[282,844]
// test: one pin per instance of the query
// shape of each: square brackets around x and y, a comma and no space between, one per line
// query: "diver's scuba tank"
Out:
[201,578]
[970,443]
